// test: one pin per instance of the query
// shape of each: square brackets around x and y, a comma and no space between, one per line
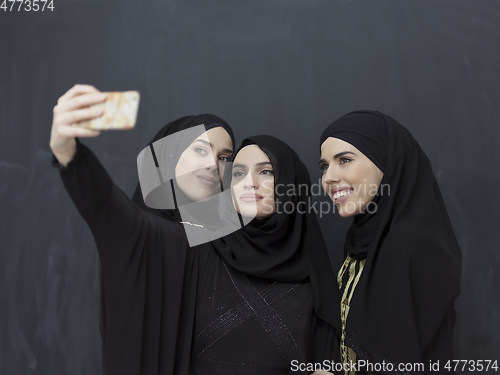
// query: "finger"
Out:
[68,131]
[77,89]
[78,115]
[80,101]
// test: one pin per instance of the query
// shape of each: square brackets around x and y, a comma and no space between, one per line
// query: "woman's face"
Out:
[201,166]
[252,183]
[349,177]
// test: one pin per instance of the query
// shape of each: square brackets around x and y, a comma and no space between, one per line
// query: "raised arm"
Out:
[71,108]
[115,221]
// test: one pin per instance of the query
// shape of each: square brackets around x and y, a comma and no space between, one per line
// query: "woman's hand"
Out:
[73,107]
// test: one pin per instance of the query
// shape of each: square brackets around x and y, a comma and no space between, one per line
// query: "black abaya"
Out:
[168,308]
[402,310]
[142,261]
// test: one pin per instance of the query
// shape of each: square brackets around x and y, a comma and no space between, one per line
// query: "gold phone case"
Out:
[120,111]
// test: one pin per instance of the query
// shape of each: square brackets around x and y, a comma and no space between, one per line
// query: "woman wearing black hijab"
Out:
[265,285]
[168,146]
[402,270]
[238,304]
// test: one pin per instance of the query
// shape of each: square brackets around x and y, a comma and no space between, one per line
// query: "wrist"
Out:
[66,154]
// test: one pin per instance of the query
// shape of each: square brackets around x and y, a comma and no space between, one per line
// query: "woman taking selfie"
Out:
[402,266]
[250,302]
[137,279]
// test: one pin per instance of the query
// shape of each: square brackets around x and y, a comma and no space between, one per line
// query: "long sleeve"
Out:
[117,223]
[86,181]
[112,217]
[142,268]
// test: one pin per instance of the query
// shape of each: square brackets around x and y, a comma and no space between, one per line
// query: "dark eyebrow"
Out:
[239,165]
[342,154]
[212,146]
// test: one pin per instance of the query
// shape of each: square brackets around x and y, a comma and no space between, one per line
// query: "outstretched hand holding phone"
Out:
[83,111]
[74,107]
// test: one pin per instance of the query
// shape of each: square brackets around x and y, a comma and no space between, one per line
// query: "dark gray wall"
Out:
[281,67]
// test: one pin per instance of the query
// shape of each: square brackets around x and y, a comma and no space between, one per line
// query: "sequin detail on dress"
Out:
[256,304]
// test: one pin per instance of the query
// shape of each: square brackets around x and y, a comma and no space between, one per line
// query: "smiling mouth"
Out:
[209,181]
[342,195]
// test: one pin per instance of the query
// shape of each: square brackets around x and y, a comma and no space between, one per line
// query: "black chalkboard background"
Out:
[281,67]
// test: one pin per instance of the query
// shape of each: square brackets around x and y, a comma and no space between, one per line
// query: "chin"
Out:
[248,213]
[344,213]
[205,198]
[196,196]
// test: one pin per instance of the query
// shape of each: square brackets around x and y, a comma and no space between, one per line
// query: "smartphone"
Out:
[120,112]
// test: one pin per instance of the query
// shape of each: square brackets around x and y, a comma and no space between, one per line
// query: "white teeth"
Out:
[341,194]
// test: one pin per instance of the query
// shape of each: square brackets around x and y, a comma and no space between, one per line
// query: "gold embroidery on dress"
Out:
[348,357]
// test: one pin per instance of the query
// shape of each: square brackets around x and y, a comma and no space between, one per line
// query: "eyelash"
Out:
[200,150]
[271,172]
[203,152]
[343,160]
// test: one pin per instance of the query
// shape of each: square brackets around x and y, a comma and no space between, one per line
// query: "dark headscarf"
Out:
[403,308]
[168,156]
[177,294]
[287,246]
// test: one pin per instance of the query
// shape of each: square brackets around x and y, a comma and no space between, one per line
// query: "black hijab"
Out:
[168,298]
[288,246]
[167,154]
[403,308]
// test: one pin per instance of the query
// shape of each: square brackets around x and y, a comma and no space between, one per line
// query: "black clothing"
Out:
[403,308]
[167,308]
[288,246]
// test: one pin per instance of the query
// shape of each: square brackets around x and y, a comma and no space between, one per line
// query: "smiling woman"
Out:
[402,266]
[349,177]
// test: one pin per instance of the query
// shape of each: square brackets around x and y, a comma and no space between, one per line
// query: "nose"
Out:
[216,166]
[331,177]
[211,168]
[249,182]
